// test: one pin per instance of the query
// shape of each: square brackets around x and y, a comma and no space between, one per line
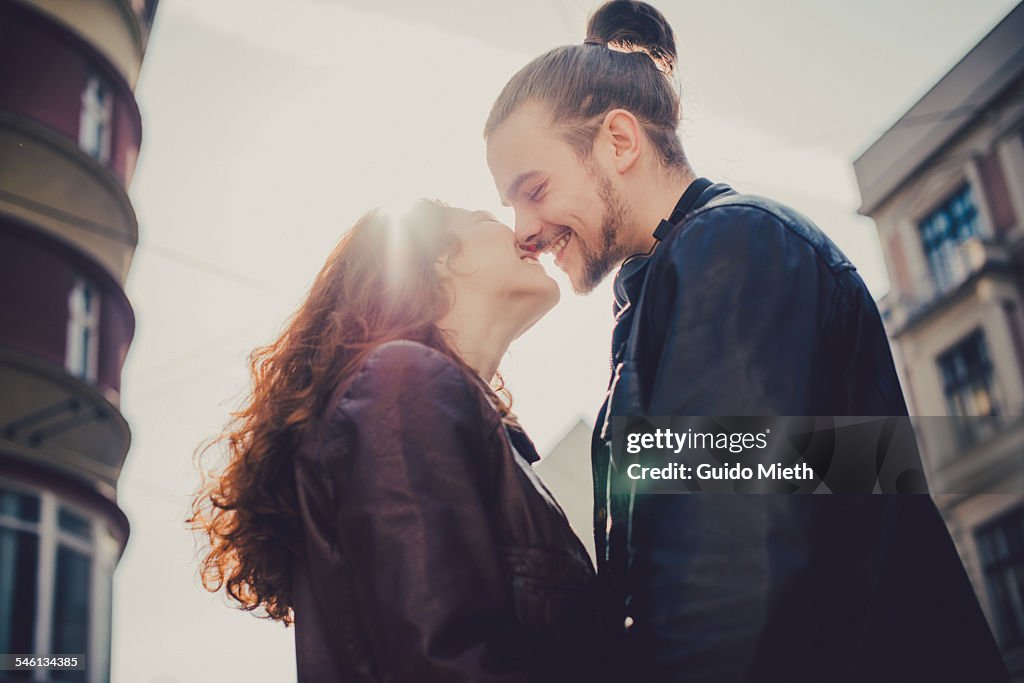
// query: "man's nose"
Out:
[528,231]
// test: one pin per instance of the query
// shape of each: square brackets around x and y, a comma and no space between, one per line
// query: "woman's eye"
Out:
[535,195]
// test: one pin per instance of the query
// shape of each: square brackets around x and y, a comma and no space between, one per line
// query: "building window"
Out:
[95,121]
[83,331]
[56,572]
[967,381]
[71,598]
[1001,551]
[942,233]
[19,570]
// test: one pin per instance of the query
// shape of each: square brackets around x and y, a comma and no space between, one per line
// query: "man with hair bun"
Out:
[726,305]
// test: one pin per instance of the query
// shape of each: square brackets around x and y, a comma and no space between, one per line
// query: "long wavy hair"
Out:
[379,284]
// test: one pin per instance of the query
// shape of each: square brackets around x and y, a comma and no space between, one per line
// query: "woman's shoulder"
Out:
[404,362]
[403,370]
[406,354]
[406,387]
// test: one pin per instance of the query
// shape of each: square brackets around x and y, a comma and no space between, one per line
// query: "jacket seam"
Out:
[834,269]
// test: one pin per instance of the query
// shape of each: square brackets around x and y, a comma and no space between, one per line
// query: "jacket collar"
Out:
[694,197]
[523,445]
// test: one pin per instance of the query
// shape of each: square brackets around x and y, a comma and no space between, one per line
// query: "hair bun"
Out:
[633,26]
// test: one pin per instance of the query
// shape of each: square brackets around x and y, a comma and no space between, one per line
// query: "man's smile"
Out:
[555,246]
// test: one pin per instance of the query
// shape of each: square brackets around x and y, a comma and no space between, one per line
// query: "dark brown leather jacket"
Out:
[432,550]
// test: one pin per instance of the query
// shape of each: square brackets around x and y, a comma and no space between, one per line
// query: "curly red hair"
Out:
[379,284]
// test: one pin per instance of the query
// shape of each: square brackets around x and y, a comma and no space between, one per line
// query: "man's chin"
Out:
[581,284]
[585,279]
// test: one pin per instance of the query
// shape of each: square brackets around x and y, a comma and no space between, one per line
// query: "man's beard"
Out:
[598,263]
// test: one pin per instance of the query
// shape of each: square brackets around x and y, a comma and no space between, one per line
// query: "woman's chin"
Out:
[549,298]
[544,303]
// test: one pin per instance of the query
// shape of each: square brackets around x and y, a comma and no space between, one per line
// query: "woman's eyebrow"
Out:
[482,215]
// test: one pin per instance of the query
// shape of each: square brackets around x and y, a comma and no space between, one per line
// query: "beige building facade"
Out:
[945,187]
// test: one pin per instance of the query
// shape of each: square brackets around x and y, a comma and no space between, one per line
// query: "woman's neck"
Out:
[480,337]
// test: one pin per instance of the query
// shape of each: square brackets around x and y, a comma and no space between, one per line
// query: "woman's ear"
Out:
[442,266]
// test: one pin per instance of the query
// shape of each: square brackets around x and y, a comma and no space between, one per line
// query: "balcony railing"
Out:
[902,307]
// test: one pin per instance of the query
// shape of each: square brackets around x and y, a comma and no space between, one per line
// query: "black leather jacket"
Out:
[749,309]
[432,551]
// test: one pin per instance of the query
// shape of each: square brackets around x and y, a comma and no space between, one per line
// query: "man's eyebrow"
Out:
[515,184]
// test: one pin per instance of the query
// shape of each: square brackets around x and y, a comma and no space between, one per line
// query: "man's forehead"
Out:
[525,134]
[524,146]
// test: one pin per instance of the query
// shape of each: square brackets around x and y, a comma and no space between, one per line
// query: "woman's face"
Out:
[491,270]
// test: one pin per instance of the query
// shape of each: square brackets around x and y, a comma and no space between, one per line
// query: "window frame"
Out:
[947,250]
[970,428]
[102,553]
[1006,567]
[96,119]
[83,324]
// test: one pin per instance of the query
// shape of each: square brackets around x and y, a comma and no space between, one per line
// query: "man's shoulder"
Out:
[744,217]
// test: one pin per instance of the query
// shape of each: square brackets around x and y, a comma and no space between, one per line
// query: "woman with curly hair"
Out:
[378,492]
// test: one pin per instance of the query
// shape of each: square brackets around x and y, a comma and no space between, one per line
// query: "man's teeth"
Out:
[558,245]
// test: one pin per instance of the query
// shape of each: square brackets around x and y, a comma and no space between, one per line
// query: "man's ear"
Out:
[623,136]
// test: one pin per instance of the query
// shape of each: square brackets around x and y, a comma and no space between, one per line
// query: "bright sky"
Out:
[270,127]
